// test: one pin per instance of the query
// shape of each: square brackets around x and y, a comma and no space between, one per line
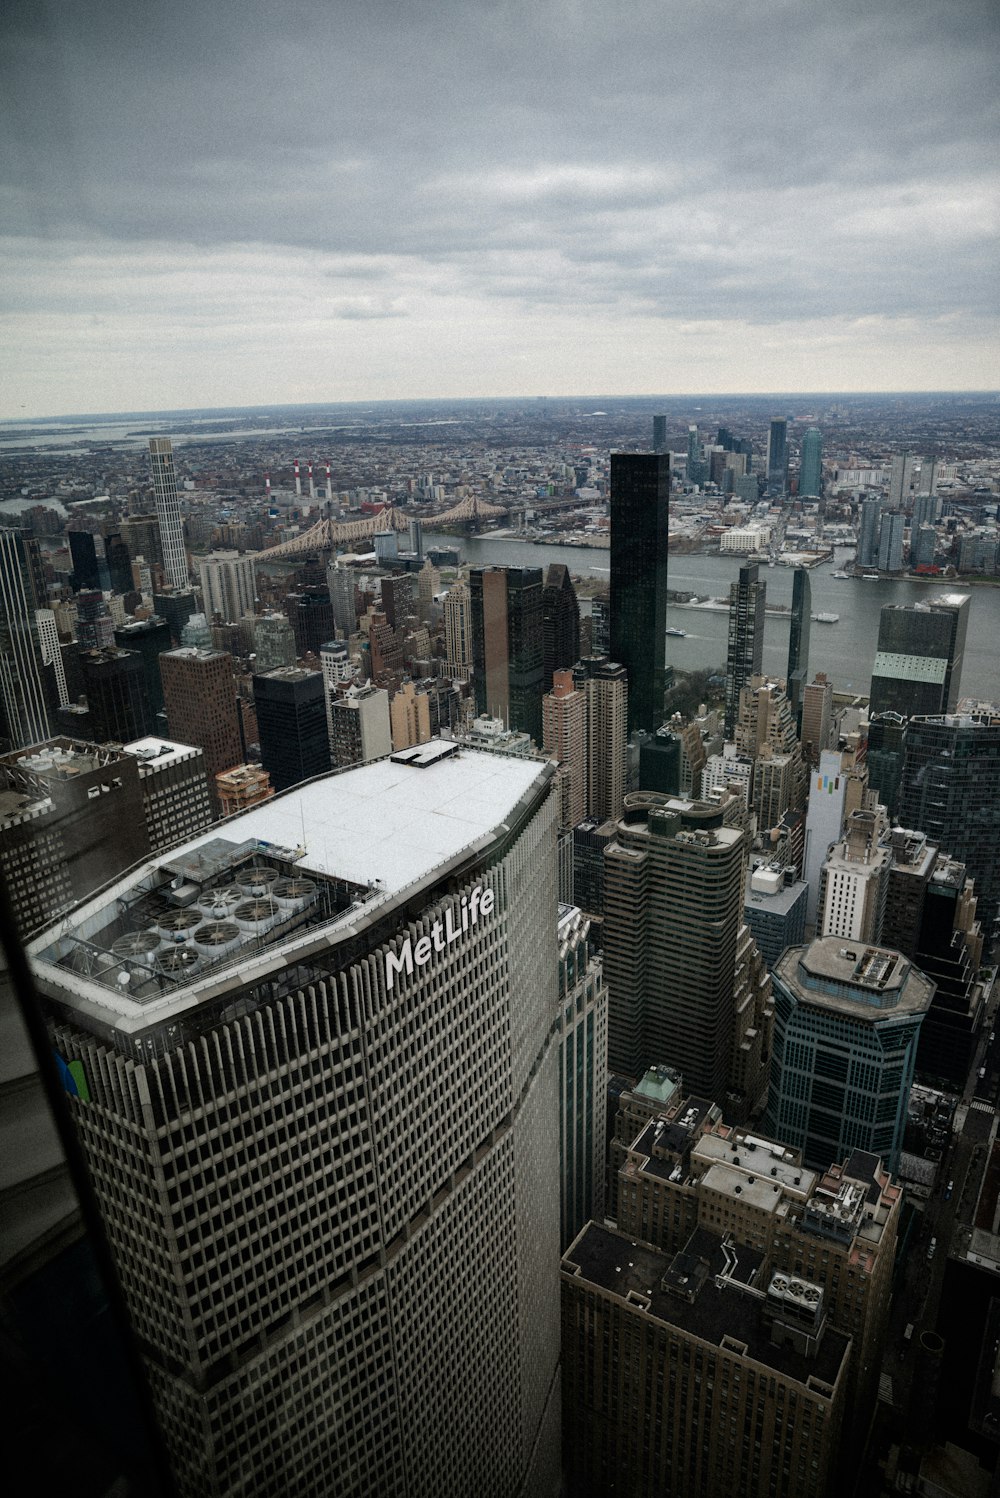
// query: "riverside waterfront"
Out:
[845,650]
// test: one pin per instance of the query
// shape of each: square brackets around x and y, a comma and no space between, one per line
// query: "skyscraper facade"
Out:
[27,685]
[564,737]
[330,1170]
[115,684]
[458,631]
[360,726]
[168,511]
[673,915]
[227,584]
[918,663]
[745,651]
[847,1025]
[583,1074]
[811,463]
[291,721]
[890,541]
[777,457]
[950,790]
[148,638]
[507,645]
[677,1380]
[605,686]
[798,638]
[640,491]
[868,532]
[560,624]
[199,694]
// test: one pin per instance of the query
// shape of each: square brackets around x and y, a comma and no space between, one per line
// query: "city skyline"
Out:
[501,198]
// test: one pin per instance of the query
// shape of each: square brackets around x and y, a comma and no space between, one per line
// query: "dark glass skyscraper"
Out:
[777,457]
[83,554]
[291,720]
[950,790]
[918,665]
[811,462]
[560,624]
[798,637]
[640,489]
[115,683]
[745,656]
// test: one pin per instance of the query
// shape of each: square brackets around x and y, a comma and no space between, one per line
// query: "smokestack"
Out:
[312,481]
[298,481]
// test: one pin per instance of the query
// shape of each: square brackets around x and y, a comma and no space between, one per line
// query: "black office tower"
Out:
[918,665]
[560,624]
[745,655]
[291,721]
[115,683]
[84,556]
[798,639]
[777,457]
[640,489]
[950,790]
[148,638]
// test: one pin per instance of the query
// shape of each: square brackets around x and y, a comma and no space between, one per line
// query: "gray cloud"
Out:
[701,159]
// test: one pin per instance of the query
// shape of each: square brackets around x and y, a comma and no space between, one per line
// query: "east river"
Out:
[844,650]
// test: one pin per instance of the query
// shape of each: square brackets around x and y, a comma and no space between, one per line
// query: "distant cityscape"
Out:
[512,891]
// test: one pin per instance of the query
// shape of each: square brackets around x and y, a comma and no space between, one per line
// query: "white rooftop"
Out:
[390,825]
[159,752]
[389,821]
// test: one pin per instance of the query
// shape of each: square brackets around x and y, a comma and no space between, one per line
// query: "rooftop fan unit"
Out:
[217,938]
[219,904]
[257,880]
[178,924]
[256,915]
[177,962]
[136,946]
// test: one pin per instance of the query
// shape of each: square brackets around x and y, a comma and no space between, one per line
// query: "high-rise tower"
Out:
[640,491]
[811,463]
[921,647]
[199,693]
[673,923]
[458,631]
[322,1127]
[560,624]
[27,685]
[950,790]
[227,584]
[507,643]
[168,511]
[890,541]
[745,654]
[605,686]
[798,638]
[777,457]
[847,1023]
[291,719]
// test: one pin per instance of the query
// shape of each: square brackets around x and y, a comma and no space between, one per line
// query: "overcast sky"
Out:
[215,202]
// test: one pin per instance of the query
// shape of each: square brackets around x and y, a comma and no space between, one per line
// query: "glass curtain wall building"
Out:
[640,490]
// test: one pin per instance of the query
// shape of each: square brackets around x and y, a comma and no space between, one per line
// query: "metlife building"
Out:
[315,1075]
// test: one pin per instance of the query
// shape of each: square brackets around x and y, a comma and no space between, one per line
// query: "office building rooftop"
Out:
[249,897]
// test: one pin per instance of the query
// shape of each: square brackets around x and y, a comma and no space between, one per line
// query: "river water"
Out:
[845,650]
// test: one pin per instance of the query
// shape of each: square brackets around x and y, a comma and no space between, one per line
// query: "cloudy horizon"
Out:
[247,205]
